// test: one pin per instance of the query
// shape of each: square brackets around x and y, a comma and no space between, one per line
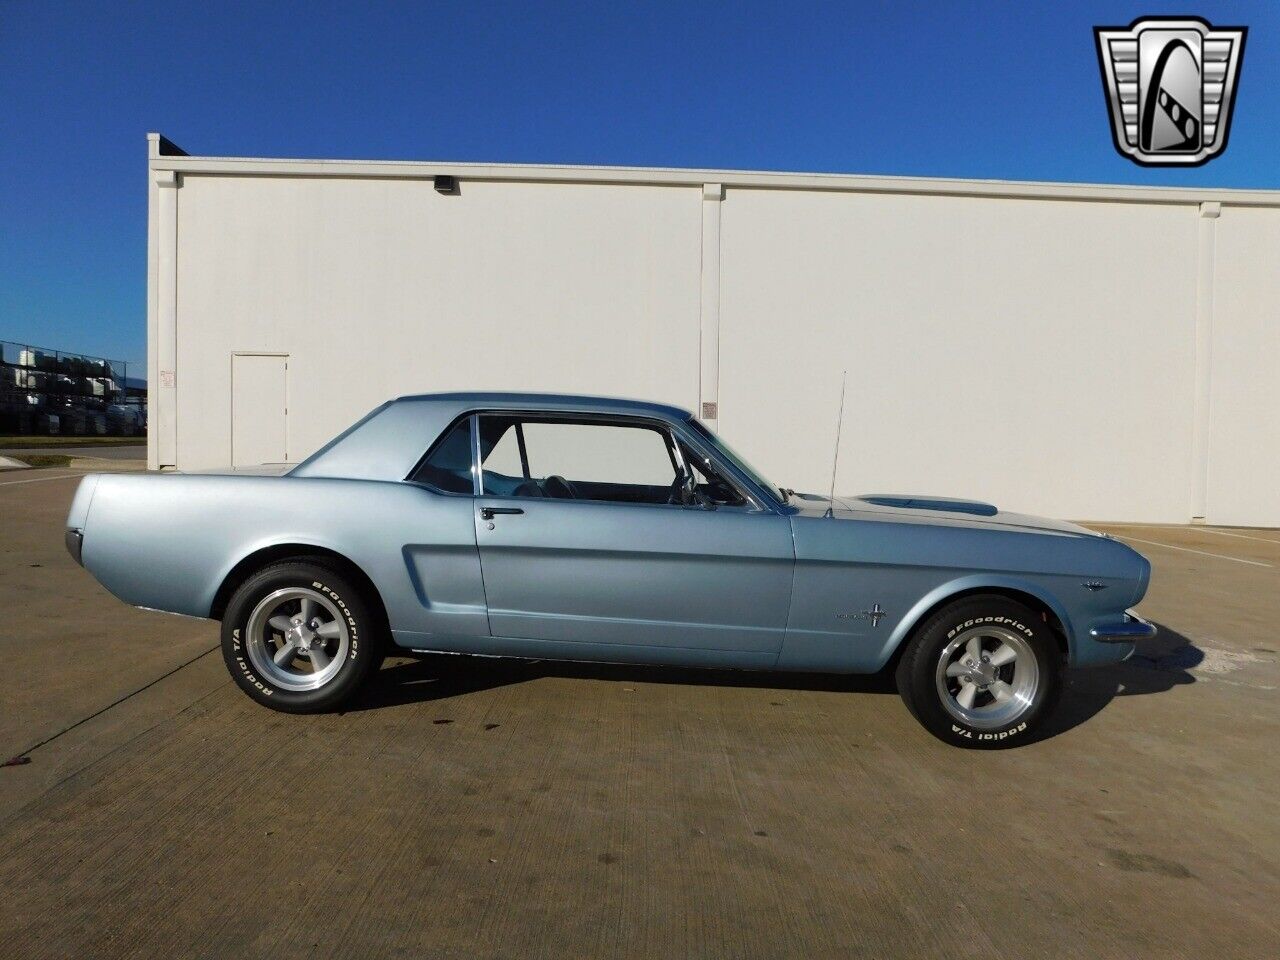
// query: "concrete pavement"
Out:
[498,809]
[99,451]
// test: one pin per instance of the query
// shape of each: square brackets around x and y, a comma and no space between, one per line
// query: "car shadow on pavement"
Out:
[1157,666]
[431,677]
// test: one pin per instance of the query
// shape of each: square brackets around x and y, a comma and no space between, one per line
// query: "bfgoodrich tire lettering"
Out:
[298,637]
[983,672]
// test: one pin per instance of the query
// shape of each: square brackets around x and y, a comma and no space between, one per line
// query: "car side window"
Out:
[504,458]
[577,460]
[448,465]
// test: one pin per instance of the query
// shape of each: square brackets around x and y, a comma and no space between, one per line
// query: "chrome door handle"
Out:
[488,513]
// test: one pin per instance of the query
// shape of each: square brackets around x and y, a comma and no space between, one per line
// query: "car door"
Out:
[586,545]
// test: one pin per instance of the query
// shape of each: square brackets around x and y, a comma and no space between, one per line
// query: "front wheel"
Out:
[298,637]
[983,672]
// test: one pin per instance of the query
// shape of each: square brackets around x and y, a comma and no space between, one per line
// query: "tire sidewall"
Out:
[349,604]
[917,671]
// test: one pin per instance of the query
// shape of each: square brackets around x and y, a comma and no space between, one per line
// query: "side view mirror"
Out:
[688,488]
[721,492]
[691,496]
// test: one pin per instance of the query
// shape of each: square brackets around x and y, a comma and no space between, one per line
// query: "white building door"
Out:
[259,397]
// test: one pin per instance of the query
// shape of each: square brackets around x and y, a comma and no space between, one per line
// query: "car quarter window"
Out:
[448,465]
[711,483]
[576,460]
[504,455]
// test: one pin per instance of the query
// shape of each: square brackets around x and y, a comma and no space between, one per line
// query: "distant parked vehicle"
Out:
[124,420]
[582,528]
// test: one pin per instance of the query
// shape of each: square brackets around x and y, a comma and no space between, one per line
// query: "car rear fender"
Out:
[279,551]
[78,515]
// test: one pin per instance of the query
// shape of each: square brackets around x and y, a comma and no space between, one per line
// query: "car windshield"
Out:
[734,457]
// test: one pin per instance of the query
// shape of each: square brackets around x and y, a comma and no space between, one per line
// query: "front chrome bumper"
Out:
[1129,630]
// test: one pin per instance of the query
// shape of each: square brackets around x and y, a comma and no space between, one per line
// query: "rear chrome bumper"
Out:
[75,543]
[1132,628]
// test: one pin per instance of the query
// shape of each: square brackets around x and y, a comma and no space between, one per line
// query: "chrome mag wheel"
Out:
[987,677]
[297,638]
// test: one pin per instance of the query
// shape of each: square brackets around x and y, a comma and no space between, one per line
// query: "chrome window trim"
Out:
[477,466]
[671,431]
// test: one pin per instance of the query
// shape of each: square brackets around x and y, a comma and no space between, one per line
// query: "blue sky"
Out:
[1006,90]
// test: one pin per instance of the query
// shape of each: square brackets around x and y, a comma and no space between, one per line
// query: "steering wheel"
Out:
[559,488]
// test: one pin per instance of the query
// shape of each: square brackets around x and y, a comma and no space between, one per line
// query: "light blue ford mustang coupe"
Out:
[582,528]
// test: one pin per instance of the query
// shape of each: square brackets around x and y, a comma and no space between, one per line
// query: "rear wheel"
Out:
[298,637]
[983,672]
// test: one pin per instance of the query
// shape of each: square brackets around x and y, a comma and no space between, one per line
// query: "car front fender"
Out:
[946,592]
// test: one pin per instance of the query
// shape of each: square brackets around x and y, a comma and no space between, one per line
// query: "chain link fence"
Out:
[52,392]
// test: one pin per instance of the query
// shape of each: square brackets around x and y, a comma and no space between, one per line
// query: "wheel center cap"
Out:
[300,635]
[983,674]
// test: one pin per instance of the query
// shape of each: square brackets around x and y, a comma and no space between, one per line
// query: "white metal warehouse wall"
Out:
[1104,353]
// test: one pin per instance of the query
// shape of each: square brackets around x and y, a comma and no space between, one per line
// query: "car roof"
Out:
[387,443]
[575,403]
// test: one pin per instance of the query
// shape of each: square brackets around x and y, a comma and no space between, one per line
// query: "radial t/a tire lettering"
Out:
[983,672]
[298,637]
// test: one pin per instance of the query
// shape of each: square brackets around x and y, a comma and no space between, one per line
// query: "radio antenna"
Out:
[835,459]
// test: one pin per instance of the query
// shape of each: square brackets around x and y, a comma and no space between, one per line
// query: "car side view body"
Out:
[582,528]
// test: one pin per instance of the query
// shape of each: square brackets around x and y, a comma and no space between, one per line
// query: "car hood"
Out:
[938,511]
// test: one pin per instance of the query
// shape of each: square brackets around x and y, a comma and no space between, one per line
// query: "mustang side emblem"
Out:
[1094,585]
[874,615]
